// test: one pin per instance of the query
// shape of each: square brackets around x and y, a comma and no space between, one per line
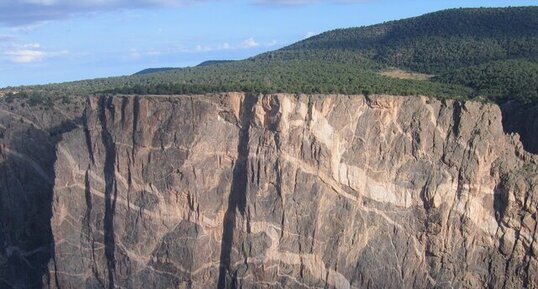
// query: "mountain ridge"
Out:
[352,61]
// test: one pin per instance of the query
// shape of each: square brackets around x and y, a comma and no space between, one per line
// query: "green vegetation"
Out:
[490,52]
[256,75]
[499,80]
[154,70]
[287,76]
[440,41]
[213,62]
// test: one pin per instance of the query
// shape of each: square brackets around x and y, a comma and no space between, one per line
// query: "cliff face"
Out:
[270,191]
[28,140]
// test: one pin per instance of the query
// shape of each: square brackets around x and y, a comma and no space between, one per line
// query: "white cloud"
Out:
[250,43]
[40,2]
[30,53]
[30,12]
[24,29]
[245,44]
[203,48]
[7,39]
[135,54]
[224,46]
[31,45]
[25,55]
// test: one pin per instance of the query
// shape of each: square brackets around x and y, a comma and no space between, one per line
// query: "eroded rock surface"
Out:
[285,191]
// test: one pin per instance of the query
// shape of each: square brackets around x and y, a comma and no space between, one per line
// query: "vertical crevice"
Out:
[456,118]
[279,191]
[274,127]
[56,278]
[136,118]
[87,230]
[110,187]
[88,196]
[124,104]
[238,192]
[87,134]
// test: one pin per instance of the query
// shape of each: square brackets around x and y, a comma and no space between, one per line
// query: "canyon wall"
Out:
[266,191]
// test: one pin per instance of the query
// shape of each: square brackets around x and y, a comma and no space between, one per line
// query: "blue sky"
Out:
[43,41]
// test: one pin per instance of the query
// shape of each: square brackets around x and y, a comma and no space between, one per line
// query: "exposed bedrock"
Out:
[273,191]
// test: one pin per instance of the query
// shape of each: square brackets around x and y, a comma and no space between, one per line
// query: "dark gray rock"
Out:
[269,191]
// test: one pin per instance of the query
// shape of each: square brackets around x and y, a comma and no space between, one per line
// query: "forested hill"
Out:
[154,70]
[461,53]
[438,41]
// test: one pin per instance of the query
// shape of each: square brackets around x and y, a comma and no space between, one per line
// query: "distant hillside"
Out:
[214,62]
[164,69]
[465,50]
[439,41]
[499,80]
[154,70]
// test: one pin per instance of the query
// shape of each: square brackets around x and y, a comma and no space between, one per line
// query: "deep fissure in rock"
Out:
[238,193]
[110,187]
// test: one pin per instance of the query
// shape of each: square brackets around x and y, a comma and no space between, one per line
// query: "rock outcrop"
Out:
[268,191]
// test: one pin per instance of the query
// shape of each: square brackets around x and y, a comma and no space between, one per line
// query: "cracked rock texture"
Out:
[267,191]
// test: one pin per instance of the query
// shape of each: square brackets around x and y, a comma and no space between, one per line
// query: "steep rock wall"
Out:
[291,191]
[28,139]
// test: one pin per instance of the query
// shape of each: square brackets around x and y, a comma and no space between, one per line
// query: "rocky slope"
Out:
[267,191]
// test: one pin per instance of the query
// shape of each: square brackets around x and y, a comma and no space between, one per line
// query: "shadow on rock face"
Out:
[500,201]
[111,190]
[27,157]
[237,198]
[521,119]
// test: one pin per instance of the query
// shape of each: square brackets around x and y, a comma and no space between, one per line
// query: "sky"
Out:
[45,41]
